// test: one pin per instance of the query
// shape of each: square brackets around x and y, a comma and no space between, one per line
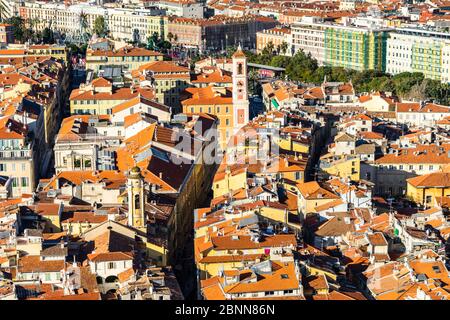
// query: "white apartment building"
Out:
[186,9]
[353,44]
[59,17]
[421,115]
[135,24]
[309,38]
[399,52]
[123,23]
[10,8]
[419,50]
[92,149]
[445,71]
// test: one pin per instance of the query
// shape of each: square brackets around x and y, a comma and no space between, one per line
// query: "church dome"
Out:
[135,170]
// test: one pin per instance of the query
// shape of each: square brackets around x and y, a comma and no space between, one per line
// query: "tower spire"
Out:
[239,53]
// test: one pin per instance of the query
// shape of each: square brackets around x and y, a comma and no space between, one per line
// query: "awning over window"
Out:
[275,103]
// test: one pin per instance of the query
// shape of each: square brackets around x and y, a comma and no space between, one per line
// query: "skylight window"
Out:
[436,269]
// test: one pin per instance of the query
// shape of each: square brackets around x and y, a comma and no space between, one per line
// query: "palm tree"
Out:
[253,77]
[28,26]
[84,26]
[284,47]
[83,22]
[170,36]
[2,11]
[270,47]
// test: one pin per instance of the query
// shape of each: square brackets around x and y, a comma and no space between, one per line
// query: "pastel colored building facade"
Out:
[419,50]
[358,48]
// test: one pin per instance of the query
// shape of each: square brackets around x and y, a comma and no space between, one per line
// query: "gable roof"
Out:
[344,137]
[435,179]
[245,242]
[109,256]
[336,226]
[208,95]
[32,263]
[312,190]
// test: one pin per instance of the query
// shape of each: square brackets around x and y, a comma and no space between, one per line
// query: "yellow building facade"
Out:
[227,181]
[312,195]
[99,97]
[425,188]
[289,144]
[55,51]
[345,168]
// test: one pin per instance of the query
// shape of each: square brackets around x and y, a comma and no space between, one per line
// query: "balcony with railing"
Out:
[19,153]
[90,137]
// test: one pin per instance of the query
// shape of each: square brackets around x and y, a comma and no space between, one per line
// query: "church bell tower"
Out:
[240,90]
[135,188]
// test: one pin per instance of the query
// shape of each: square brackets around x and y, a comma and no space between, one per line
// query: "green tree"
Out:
[74,49]
[302,67]
[279,61]
[19,27]
[156,43]
[230,50]
[284,47]
[100,27]
[48,36]
[170,36]
[153,41]
[403,82]
[165,45]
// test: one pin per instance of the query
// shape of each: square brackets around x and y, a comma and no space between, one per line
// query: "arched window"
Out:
[111,279]
[240,68]
[137,203]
